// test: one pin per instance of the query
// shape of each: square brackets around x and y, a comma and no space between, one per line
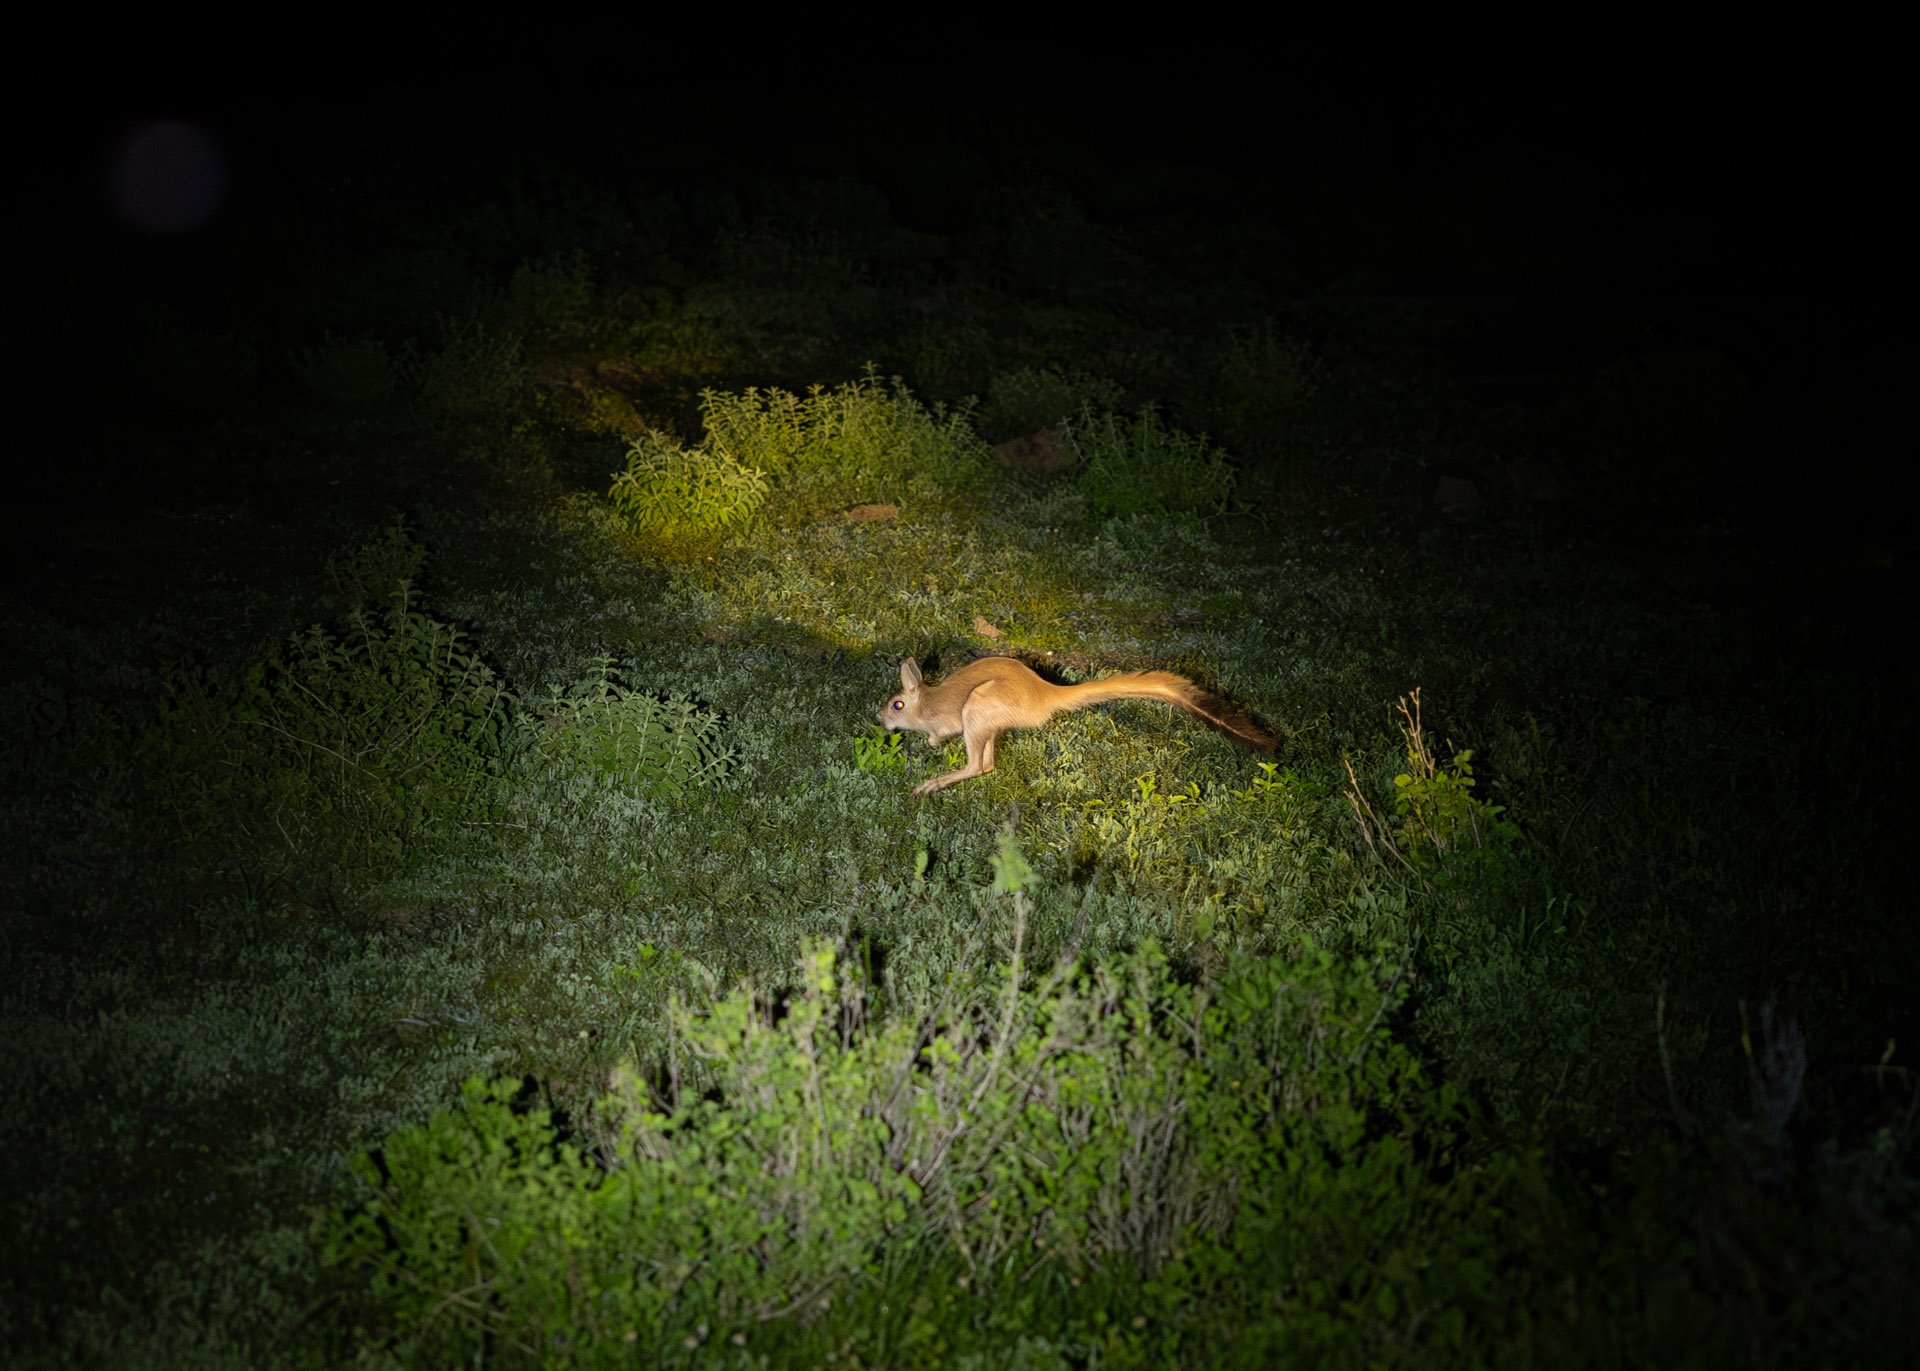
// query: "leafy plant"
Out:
[879,752]
[1440,818]
[378,732]
[348,743]
[551,296]
[1259,378]
[366,574]
[867,437]
[770,429]
[1111,1120]
[1439,825]
[474,374]
[655,745]
[1140,466]
[674,492]
[1245,866]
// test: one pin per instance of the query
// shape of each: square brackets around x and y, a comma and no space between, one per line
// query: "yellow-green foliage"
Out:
[765,429]
[893,582]
[1441,827]
[1098,1123]
[1441,818]
[868,437]
[674,492]
[865,440]
[1242,861]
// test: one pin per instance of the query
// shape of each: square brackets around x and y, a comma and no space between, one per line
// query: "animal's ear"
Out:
[910,674]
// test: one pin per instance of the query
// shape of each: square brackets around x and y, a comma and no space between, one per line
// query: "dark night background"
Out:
[1742,211]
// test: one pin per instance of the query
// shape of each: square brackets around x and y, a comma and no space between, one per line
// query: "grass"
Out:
[502,898]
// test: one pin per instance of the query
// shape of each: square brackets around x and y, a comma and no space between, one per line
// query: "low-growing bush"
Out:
[865,438]
[878,752]
[677,493]
[343,748]
[376,732]
[347,746]
[860,441]
[474,374]
[1440,829]
[1256,382]
[1141,466]
[654,745]
[1246,865]
[1080,1125]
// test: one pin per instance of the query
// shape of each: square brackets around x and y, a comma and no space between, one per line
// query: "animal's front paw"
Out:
[926,787]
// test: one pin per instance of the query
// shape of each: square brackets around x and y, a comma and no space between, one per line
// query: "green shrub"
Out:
[677,493]
[1244,866]
[551,296]
[951,356]
[1082,1126]
[856,441]
[368,573]
[653,745]
[770,429]
[378,732]
[345,744]
[1259,380]
[865,437]
[1140,466]
[475,374]
[879,752]
[1440,828]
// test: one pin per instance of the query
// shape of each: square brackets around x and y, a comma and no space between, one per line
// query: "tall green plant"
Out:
[654,745]
[475,374]
[679,493]
[374,733]
[1440,827]
[797,1149]
[867,436]
[1141,466]
[347,744]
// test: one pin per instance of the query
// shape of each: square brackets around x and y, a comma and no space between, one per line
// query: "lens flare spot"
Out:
[169,176]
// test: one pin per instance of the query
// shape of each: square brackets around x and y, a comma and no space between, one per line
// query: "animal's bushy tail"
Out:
[1181,693]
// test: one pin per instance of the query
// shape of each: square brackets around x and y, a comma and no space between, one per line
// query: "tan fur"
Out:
[984,699]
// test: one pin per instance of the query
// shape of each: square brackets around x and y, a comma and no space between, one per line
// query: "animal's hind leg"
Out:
[979,758]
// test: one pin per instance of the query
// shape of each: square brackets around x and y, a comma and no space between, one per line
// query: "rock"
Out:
[1456,495]
[1040,453]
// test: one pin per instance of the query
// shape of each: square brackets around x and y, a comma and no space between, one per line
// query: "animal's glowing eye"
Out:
[899,704]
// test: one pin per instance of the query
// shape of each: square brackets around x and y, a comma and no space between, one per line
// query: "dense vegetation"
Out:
[459,906]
